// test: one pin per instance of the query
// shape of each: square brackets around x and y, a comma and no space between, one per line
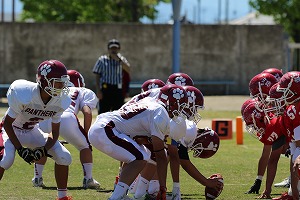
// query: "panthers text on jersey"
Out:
[27,107]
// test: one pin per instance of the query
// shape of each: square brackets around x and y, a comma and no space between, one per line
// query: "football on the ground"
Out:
[211,193]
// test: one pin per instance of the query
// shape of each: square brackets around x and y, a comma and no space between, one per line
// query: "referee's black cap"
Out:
[113,43]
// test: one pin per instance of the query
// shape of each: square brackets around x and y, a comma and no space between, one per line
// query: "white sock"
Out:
[259,177]
[119,191]
[87,170]
[153,187]
[61,193]
[134,185]
[38,170]
[142,186]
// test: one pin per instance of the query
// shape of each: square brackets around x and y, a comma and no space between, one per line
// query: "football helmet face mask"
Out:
[180,79]
[289,84]
[276,103]
[206,143]
[152,83]
[52,77]
[255,121]
[195,103]
[174,99]
[76,79]
[275,72]
[259,87]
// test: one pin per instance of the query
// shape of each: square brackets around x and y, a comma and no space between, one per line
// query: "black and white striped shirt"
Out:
[109,70]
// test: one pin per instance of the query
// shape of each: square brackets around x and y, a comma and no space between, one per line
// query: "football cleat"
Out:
[284,196]
[38,182]
[65,198]
[90,184]
[285,183]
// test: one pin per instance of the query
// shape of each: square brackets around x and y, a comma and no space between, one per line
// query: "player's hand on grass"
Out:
[265,195]
[255,187]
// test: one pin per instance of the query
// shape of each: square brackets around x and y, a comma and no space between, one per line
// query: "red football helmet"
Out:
[174,98]
[259,87]
[276,103]
[51,73]
[206,143]
[255,120]
[195,103]
[275,72]
[180,79]
[152,83]
[76,79]
[289,84]
[246,103]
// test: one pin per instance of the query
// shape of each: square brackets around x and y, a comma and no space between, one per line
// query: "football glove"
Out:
[26,154]
[255,187]
[40,152]
[162,194]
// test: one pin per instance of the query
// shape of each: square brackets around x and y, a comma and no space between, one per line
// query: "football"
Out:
[211,193]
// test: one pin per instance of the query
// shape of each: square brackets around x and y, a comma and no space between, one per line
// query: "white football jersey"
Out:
[152,93]
[146,117]
[80,97]
[191,134]
[27,107]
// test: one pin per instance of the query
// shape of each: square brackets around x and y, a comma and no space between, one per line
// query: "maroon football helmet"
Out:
[76,79]
[195,103]
[174,98]
[180,79]
[51,73]
[289,84]
[259,87]
[152,83]
[275,72]
[254,120]
[206,143]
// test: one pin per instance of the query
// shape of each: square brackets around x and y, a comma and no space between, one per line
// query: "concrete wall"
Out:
[208,52]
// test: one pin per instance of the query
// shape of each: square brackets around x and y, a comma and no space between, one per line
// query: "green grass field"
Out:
[237,164]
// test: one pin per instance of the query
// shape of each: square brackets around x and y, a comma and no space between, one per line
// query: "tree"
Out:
[285,13]
[89,10]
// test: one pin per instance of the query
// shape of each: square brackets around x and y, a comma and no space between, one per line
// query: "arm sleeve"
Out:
[183,152]
[89,99]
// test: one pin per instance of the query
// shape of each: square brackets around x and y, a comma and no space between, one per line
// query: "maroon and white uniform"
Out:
[191,134]
[112,132]
[153,93]
[70,129]
[28,109]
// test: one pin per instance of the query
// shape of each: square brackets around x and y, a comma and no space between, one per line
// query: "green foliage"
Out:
[285,12]
[89,10]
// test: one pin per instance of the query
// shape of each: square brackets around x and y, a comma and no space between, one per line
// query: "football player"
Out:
[30,103]
[271,133]
[259,87]
[113,133]
[203,144]
[289,86]
[84,100]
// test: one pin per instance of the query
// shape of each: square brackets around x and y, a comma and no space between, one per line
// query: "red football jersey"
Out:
[273,131]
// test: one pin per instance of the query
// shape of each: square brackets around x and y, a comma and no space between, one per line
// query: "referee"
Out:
[109,70]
